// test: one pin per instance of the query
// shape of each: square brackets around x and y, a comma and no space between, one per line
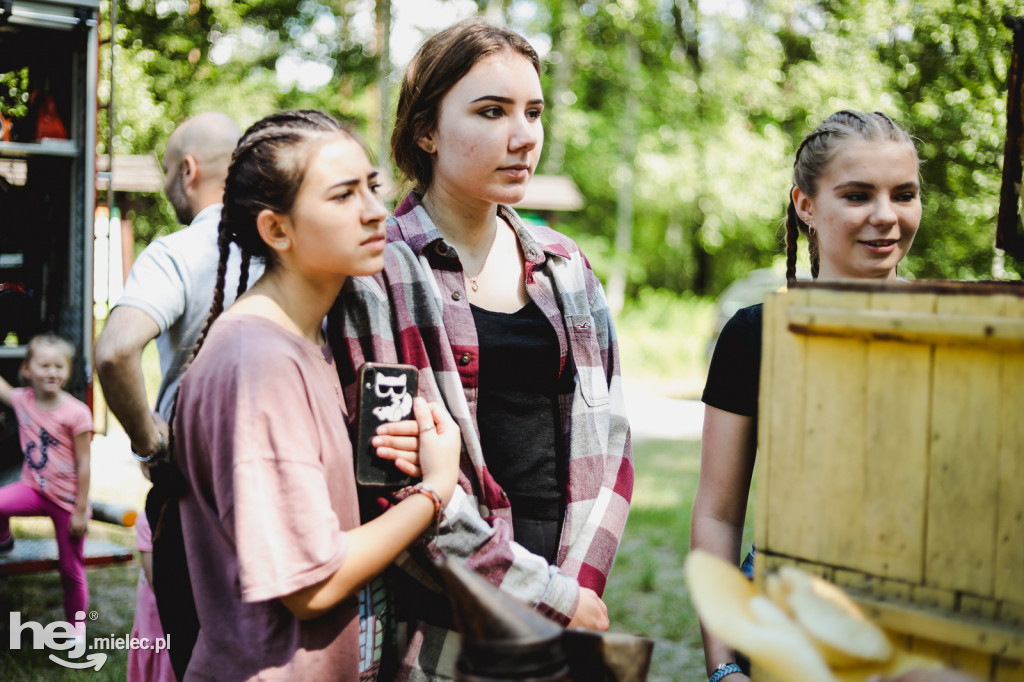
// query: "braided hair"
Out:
[812,160]
[266,171]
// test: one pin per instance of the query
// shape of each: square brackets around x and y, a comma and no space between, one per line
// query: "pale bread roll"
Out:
[836,625]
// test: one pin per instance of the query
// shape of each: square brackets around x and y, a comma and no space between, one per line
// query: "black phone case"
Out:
[385,395]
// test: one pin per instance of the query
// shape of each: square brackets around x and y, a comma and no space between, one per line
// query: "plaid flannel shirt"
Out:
[417,312]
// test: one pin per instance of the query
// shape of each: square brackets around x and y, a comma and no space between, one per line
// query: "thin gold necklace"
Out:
[472,280]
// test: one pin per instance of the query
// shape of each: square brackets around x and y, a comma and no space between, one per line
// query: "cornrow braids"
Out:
[812,160]
[266,171]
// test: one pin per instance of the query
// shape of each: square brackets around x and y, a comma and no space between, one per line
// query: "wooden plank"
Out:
[990,331]
[32,555]
[1011,613]
[764,422]
[979,635]
[898,422]
[781,406]
[832,488]
[1008,670]
[963,484]
[1009,559]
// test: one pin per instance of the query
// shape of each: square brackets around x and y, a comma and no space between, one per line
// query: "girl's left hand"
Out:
[399,442]
[78,524]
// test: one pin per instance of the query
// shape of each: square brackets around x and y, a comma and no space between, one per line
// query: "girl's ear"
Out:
[273,228]
[802,202]
[427,143]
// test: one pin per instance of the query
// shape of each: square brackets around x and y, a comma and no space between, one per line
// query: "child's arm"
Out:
[6,390]
[83,442]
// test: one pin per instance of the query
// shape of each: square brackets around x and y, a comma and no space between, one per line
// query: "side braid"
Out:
[792,235]
[217,307]
[243,274]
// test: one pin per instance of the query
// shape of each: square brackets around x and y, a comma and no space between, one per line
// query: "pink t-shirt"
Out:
[48,442]
[261,439]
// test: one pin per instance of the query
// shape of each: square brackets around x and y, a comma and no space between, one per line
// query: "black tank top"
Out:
[518,417]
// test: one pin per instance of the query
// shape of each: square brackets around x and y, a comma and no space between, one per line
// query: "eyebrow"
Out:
[504,100]
[354,181]
[855,184]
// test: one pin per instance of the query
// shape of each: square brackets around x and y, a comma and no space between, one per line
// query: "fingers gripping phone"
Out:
[385,395]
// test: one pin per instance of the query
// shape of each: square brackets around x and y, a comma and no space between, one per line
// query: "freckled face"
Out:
[489,134]
[867,210]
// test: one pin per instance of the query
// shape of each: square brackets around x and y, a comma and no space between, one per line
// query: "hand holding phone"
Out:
[386,392]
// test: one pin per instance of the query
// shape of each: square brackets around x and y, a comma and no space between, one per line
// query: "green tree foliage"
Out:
[723,93]
[729,90]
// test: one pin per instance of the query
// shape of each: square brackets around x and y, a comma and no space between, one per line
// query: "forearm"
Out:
[119,368]
[488,547]
[83,473]
[372,548]
[124,388]
[722,539]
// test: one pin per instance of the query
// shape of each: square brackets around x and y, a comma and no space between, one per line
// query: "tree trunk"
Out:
[565,45]
[383,11]
[627,178]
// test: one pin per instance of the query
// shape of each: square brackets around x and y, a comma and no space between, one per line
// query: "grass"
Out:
[646,594]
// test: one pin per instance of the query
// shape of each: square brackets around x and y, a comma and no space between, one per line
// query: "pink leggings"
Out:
[17,499]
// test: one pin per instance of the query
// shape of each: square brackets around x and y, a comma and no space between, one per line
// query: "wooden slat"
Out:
[830,492]
[892,512]
[31,555]
[914,327]
[963,485]
[1009,670]
[979,635]
[1009,558]
[781,407]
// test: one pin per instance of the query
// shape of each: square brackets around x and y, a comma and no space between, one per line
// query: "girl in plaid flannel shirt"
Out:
[509,325]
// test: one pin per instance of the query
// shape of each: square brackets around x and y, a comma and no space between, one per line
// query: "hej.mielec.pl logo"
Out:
[59,636]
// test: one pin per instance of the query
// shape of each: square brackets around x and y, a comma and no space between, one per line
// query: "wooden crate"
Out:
[891,458]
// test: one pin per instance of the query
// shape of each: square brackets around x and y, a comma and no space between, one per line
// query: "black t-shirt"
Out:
[735,374]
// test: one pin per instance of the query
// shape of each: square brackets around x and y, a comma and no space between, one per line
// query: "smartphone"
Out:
[385,395]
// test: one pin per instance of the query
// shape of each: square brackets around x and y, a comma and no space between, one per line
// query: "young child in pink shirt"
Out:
[55,430]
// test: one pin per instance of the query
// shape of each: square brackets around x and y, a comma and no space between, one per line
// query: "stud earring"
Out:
[280,245]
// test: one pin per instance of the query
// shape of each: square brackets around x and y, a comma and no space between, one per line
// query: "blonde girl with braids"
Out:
[856,199]
[269,515]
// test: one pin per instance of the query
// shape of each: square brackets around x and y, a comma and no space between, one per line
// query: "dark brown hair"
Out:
[266,172]
[440,63]
[812,160]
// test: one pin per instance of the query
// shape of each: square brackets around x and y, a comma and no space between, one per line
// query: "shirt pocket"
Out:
[586,356]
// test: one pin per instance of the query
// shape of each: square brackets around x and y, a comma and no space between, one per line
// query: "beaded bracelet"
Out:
[723,670]
[425,489]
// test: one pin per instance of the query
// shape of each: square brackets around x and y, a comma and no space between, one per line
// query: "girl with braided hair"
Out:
[269,515]
[856,199]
